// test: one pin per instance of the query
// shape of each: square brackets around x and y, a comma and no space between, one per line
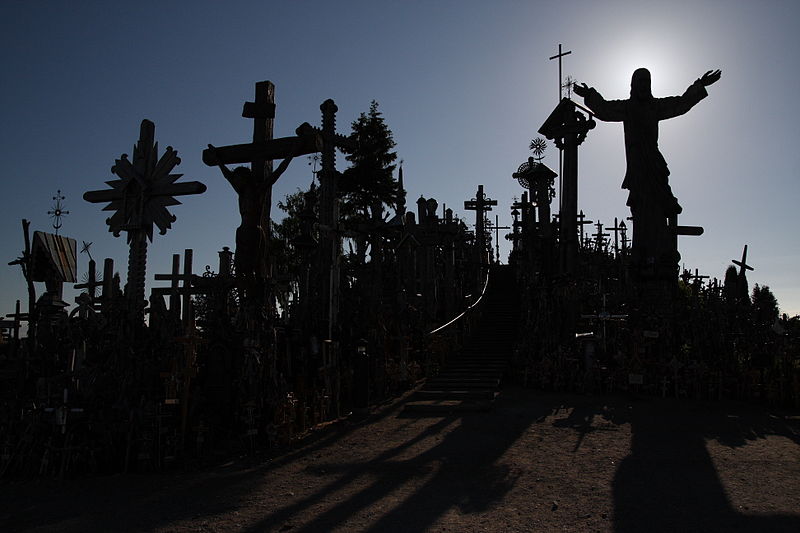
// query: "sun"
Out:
[660,57]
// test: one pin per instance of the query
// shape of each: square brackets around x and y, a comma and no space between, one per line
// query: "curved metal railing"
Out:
[465,311]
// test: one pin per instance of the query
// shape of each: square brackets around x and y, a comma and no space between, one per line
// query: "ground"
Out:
[536,462]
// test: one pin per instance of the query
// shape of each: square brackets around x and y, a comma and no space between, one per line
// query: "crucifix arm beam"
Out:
[689,230]
[274,149]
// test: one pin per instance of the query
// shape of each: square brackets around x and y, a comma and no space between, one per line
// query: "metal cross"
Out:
[58,211]
[559,55]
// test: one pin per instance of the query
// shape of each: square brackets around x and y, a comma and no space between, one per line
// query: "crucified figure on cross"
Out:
[650,199]
[250,236]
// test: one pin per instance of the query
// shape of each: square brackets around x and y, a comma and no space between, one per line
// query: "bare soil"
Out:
[536,462]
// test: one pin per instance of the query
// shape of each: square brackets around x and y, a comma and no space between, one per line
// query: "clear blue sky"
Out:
[464,85]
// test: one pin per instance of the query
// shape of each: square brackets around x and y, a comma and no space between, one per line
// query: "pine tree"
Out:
[369,184]
[765,305]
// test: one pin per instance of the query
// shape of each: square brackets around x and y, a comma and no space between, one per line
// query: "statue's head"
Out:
[242,172]
[640,84]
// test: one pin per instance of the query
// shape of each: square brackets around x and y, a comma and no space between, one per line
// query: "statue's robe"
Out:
[646,178]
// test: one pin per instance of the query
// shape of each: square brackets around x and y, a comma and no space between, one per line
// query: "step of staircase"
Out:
[471,382]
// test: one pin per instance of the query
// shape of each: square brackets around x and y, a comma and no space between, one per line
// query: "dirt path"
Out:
[538,462]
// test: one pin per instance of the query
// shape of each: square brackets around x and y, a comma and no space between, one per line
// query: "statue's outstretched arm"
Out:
[609,111]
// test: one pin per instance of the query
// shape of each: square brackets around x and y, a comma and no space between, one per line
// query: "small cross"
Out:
[743,266]
[600,237]
[581,223]
[91,282]
[58,211]
[559,55]
[497,228]
[619,226]
[85,249]
[180,296]
[699,277]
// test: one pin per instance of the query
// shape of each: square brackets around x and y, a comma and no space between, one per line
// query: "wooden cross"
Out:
[523,208]
[497,228]
[180,289]
[581,223]
[139,199]
[145,188]
[480,204]
[604,316]
[695,231]
[16,317]
[91,281]
[264,149]
[619,227]
[600,237]
[558,56]
[698,278]
[743,266]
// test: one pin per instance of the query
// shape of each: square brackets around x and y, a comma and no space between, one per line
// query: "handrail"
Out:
[476,302]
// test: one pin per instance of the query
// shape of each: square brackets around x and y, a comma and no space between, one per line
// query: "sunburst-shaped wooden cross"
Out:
[145,188]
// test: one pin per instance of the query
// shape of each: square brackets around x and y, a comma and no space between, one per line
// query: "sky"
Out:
[463,85]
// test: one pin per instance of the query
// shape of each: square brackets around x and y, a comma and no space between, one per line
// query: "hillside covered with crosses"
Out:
[347,298]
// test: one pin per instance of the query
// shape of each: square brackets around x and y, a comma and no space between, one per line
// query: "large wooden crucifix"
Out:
[480,204]
[254,185]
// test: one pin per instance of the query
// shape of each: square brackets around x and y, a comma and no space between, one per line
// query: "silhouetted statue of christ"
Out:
[650,198]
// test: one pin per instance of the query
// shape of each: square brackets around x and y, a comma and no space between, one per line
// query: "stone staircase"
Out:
[471,381]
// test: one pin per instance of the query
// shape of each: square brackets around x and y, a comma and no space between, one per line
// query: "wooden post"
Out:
[187,282]
[262,111]
[108,280]
[174,296]
[568,128]
[329,216]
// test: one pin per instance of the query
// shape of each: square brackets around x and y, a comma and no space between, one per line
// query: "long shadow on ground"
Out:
[142,502]
[474,446]
[669,482]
